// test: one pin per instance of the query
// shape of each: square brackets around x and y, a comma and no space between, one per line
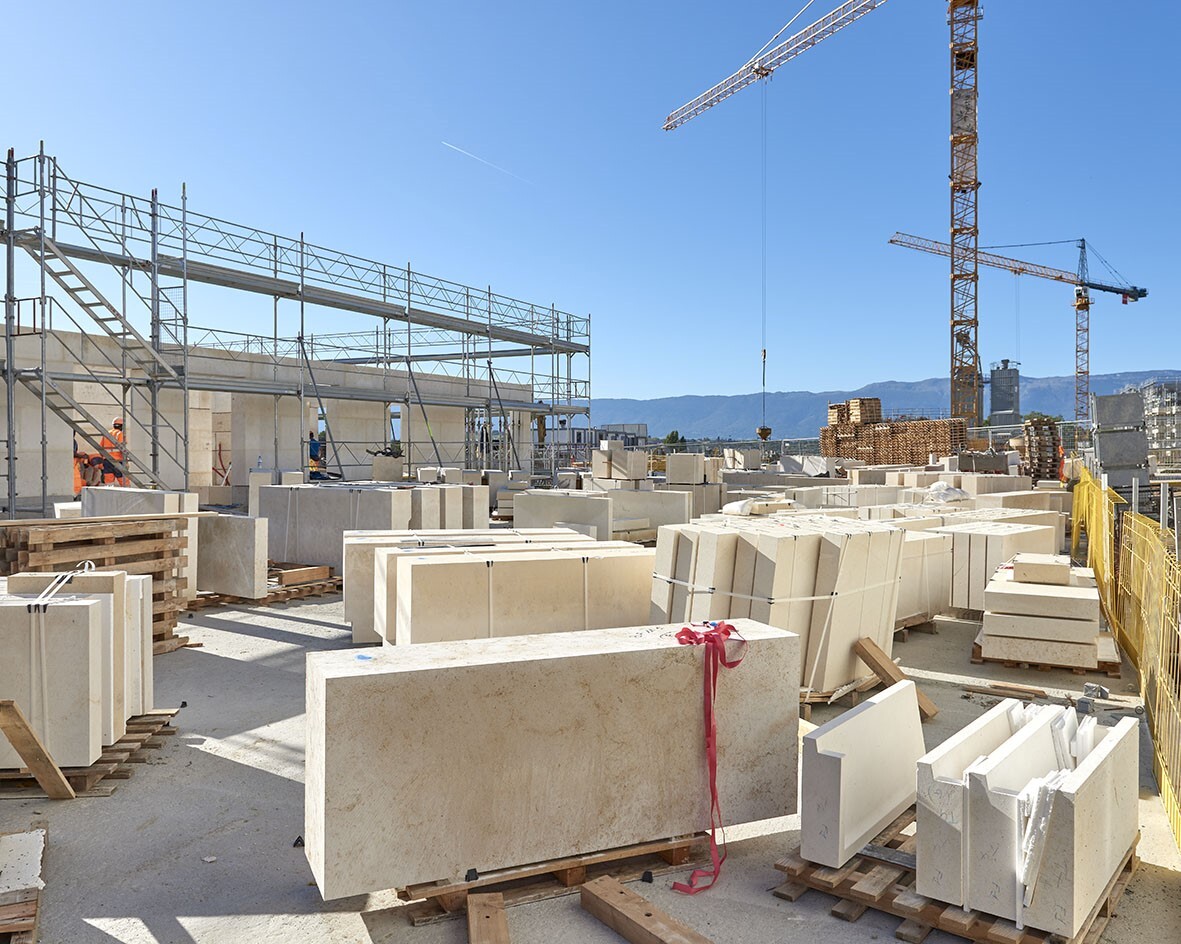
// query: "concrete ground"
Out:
[198,846]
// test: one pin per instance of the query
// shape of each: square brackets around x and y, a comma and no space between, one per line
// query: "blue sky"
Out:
[331,119]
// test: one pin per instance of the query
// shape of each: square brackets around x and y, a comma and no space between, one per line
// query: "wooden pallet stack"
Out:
[285,582]
[1042,449]
[140,544]
[904,443]
[865,410]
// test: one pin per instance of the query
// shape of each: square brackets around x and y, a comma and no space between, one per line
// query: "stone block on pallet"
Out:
[858,774]
[1041,627]
[235,558]
[57,678]
[518,740]
[1072,655]
[1033,599]
[109,588]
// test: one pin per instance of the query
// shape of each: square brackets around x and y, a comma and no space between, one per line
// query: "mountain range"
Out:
[801,413]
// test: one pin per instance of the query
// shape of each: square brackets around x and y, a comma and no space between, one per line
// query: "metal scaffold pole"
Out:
[10,326]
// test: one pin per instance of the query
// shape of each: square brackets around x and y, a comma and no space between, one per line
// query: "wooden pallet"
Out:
[439,901]
[881,877]
[20,909]
[116,763]
[285,582]
[1110,669]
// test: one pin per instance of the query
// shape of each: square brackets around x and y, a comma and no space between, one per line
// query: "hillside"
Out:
[802,413]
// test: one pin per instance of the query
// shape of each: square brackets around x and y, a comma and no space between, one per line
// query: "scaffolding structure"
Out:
[1162,423]
[146,254]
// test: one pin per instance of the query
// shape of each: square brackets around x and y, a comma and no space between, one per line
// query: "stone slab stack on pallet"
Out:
[1043,611]
[148,545]
[517,740]
[830,580]
[89,667]
[980,547]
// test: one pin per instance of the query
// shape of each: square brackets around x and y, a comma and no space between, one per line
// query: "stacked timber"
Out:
[865,410]
[1043,445]
[905,443]
[152,545]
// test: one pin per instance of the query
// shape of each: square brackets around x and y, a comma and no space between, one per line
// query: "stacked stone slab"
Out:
[235,558]
[542,738]
[607,515]
[924,587]
[979,548]
[612,461]
[444,596]
[364,612]
[81,668]
[830,580]
[1043,611]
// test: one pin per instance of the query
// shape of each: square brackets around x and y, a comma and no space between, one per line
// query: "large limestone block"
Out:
[543,508]
[858,773]
[139,588]
[1042,568]
[685,468]
[1093,822]
[109,588]
[450,506]
[1076,655]
[234,558]
[1031,599]
[388,469]
[255,481]
[475,507]
[941,854]
[306,523]
[716,553]
[358,556]
[1041,627]
[528,772]
[447,597]
[980,547]
[53,669]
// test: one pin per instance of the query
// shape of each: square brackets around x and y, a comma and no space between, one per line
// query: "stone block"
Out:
[109,588]
[67,509]
[1042,568]
[858,773]
[716,551]
[426,508]
[474,595]
[1041,627]
[306,523]
[475,507]
[1041,651]
[979,548]
[139,588]
[388,469]
[56,676]
[450,506]
[518,740]
[684,468]
[941,852]
[235,556]
[1033,599]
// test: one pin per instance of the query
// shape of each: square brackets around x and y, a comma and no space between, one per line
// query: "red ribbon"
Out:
[713,637]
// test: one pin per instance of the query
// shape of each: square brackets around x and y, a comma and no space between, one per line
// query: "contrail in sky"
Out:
[475,157]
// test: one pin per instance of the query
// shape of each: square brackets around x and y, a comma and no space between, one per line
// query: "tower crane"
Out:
[963,18]
[1083,286]
[761,66]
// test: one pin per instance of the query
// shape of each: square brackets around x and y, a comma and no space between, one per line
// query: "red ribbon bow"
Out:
[713,637]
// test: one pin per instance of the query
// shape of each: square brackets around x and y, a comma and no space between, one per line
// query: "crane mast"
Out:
[1082,340]
[963,18]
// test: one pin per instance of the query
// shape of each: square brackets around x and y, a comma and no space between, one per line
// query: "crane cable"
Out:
[764,256]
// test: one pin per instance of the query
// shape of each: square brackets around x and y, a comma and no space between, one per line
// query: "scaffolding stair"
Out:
[87,427]
[71,280]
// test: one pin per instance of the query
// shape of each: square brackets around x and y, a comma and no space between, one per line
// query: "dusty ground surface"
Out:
[229,786]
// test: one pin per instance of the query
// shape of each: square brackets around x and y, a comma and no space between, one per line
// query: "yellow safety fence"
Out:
[1139,580]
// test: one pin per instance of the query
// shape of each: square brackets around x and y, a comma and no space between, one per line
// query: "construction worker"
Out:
[315,456]
[81,460]
[113,443]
